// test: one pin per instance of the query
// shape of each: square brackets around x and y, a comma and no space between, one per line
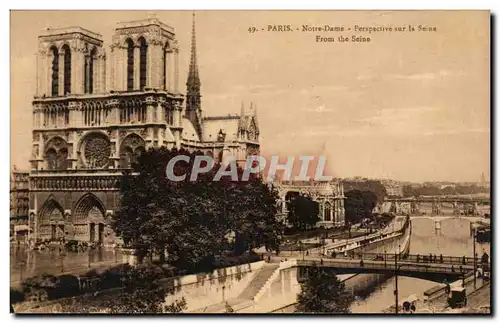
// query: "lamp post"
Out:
[474,254]
[396,292]
[396,282]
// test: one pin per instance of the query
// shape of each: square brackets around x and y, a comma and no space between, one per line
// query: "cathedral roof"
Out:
[213,125]
[188,131]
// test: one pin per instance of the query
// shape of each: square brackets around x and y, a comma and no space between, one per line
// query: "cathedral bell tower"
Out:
[145,74]
[70,61]
[144,56]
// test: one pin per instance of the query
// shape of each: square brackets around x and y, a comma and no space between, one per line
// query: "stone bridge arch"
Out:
[456,227]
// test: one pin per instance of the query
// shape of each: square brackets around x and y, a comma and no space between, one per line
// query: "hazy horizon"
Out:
[411,107]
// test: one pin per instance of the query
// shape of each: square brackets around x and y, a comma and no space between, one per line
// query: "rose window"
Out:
[97,151]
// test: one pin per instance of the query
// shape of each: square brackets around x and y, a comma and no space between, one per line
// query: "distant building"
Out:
[393,188]
[19,204]
[484,182]
[329,196]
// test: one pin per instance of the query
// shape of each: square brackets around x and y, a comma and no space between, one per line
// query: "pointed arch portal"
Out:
[88,219]
[51,220]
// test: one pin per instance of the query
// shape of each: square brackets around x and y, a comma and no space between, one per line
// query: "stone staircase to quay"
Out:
[250,295]
[258,284]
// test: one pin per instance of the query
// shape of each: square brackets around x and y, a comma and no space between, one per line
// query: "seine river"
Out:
[453,239]
[25,263]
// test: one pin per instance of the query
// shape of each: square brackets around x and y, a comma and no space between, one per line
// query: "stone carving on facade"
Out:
[157,41]
[100,104]
[221,136]
[79,47]
[122,135]
[113,151]
[34,151]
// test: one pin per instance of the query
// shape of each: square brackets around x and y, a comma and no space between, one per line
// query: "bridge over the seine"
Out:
[458,205]
[451,268]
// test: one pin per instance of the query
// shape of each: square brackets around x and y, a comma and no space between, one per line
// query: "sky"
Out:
[412,106]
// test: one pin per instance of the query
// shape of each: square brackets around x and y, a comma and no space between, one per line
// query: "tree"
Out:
[191,219]
[322,292]
[359,205]
[374,186]
[249,209]
[303,212]
[354,208]
[176,307]
[369,202]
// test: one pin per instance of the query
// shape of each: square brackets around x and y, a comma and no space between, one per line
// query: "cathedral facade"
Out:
[86,134]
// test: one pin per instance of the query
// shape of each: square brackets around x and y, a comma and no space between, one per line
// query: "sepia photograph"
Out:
[250,162]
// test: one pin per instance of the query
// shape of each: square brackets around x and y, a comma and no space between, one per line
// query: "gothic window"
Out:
[328,211]
[89,72]
[55,71]
[51,157]
[169,116]
[130,65]
[96,151]
[143,63]
[164,79]
[165,65]
[62,159]
[67,69]
[131,149]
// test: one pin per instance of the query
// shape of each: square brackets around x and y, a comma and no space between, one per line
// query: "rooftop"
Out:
[70,30]
[145,23]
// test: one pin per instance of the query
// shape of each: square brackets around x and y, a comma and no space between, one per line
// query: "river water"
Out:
[26,263]
[453,239]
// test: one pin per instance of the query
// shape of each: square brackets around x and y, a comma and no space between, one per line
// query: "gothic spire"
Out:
[193,81]
[193,96]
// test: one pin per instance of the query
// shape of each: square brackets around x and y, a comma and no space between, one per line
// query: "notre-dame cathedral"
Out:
[85,133]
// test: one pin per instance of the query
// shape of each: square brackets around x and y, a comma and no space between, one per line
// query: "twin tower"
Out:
[72,61]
